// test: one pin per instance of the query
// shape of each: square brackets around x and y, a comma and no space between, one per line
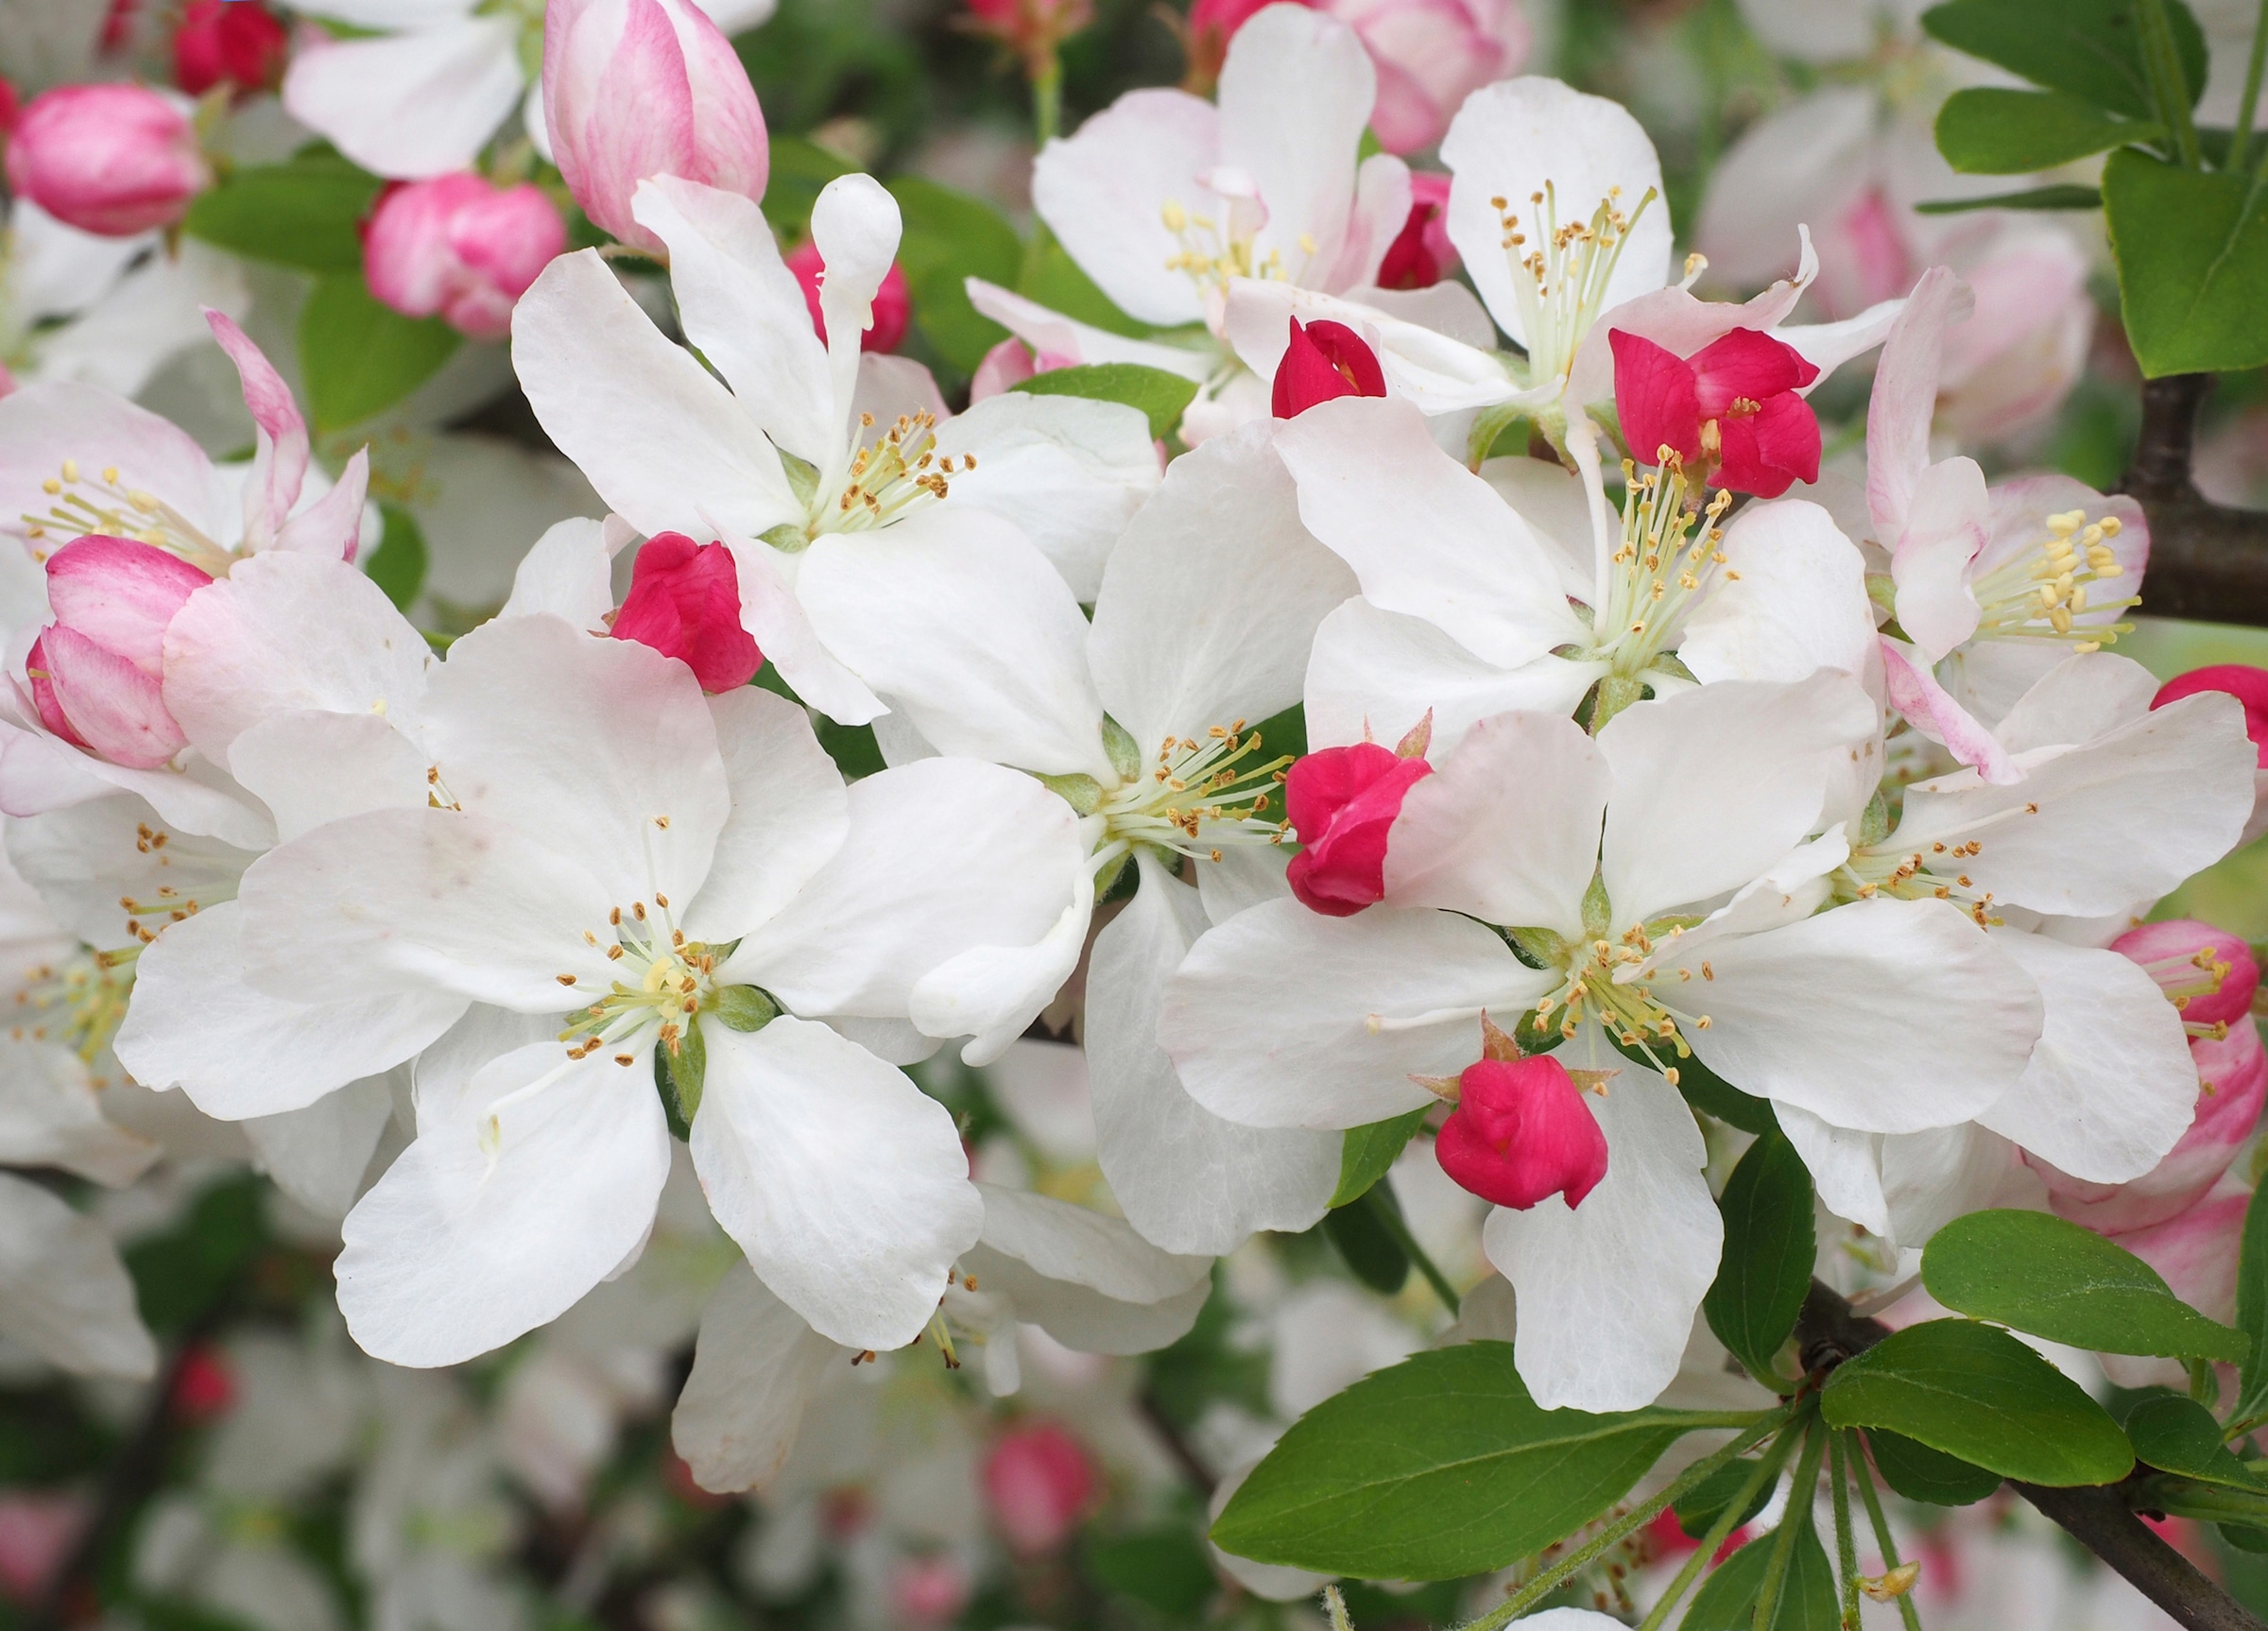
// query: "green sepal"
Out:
[1125,752]
[688,1065]
[743,1007]
[1084,794]
[1366,1153]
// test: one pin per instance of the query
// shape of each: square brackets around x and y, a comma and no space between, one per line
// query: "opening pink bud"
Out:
[94,672]
[2248,685]
[1038,1483]
[684,602]
[113,160]
[1324,360]
[1421,255]
[234,42]
[639,88]
[1730,412]
[2208,974]
[893,304]
[1342,801]
[1521,1132]
[461,249]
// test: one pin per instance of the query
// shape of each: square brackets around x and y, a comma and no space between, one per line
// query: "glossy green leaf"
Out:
[2090,48]
[1727,1601]
[398,564]
[1156,393]
[1975,1392]
[2252,1310]
[949,239]
[2207,1500]
[305,212]
[1919,1473]
[1706,1502]
[1366,1153]
[2039,1274]
[1768,1253]
[1367,1246]
[359,357]
[1990,131]
[2192,249]
[2180,1435]
[2245,1538]
[1440,1467]
[2056,198]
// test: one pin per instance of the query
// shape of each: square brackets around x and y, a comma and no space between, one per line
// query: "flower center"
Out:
[896,473]
[87,504]
[1567,268]
[1931,871]
[1217,249]
[2041,594]
[1614,982]
[1194,796]
[666,981]
[1662,569]
[77,1003]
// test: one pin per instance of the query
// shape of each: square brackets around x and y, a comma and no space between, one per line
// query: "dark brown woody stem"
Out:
[2206,561]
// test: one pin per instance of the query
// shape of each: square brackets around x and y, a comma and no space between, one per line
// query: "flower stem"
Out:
[1846,1548]
[2240,142]
[1799,1510]
[1767,1468]
[1882,1535]
[2169,85]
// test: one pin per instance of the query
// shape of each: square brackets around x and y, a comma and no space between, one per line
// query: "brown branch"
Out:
[2098,1517]
[2206,561]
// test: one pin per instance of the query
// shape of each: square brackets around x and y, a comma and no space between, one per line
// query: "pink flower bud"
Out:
[457,247]
[236,43]
[1730,411]
[1034,29]
[1342,801]
[639,88]
[37,1531]
[94,671]
[2208,974]
[893,304]
[1212,24]
[684,602]
[928,1590]
[10,110]
[1421,255]
[2248,685]
[1038,1483]
[113,160]
[1431,55]
[204,1386]
[1521,1132]
[1323,361]
[1005,367]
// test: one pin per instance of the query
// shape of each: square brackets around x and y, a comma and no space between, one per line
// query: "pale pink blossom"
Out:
[461,249]
[113,160]
[1431,55]
[1039,1483]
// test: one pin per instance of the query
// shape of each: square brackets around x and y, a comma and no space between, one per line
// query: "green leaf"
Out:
[1988,131]
[2038,1272]
[1366,1152]
[800,168]
[305,212]
[1440,1467]
[1156,393]
[2252,1310]
[688,1069]
[1055,279]
[1975,1392]
[2244,1538]
[1706,1502]
[1727,1601]
[950,238]
[398,564]
[1768,1254]
[2192,247]
[1919,1473]
[1166,1569]
[2180,1435]
[359,357]
[1367,1246]
[2056,198]
[2090,48]
[2177,1495]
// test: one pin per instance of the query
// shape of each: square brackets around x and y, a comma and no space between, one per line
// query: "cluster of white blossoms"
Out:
[1654,782]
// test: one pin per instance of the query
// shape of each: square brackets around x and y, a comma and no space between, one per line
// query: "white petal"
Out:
[1372,675]
[991,994]
[660,440]
[50,1117]
[1188,1181]
[1284,1018]
[82,860]
[1211,601]
[1104,191]
[1516,137]
[770,612]
[944,854]
[1425,535]
[745,312]
[1799,602]
[1931,557]
[40,773]
[966,629]
[500,1217]
[755,1365]
[2111,1087]
[790,814]
[845,1185]
[42,425]
[1506,829]
[568,572]
[1805,162]
[63,1293]
[1712,786]
[411,105]
[1608,1290]
[1930,1021]
[856,227]
[1075,1247]
[1905,388]
[312,767]
[1053,335]
[196,1024]
[2080,699]
[603,748]
[1847,1167]
[1068,471]
[1244,876]
[318,1155]
[1295,96]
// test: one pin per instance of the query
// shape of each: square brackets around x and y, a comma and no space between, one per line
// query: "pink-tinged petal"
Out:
[279,463]
[333,523]
[1521,1133]
[2196,1251]
[1324,361]
[1038,1483]
[1342,803]
[2247,684]
[120,594]
[1947,514]
[2209,973]
[1929,708]
[42,695]
[110,158]
[618,105]
[1005,365]
[115,708]
[1905,399]
[1657,399]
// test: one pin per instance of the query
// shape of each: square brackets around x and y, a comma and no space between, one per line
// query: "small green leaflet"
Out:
[2193,253]
[2178,1434]
[1366,1152]
[1727,1601]
[1441,1466]
[359,357]
[1769,1248]
[1919,1473]
[1156,393]
[1990,131]
[1974,1392]
[2090,48]
[2039,1274]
